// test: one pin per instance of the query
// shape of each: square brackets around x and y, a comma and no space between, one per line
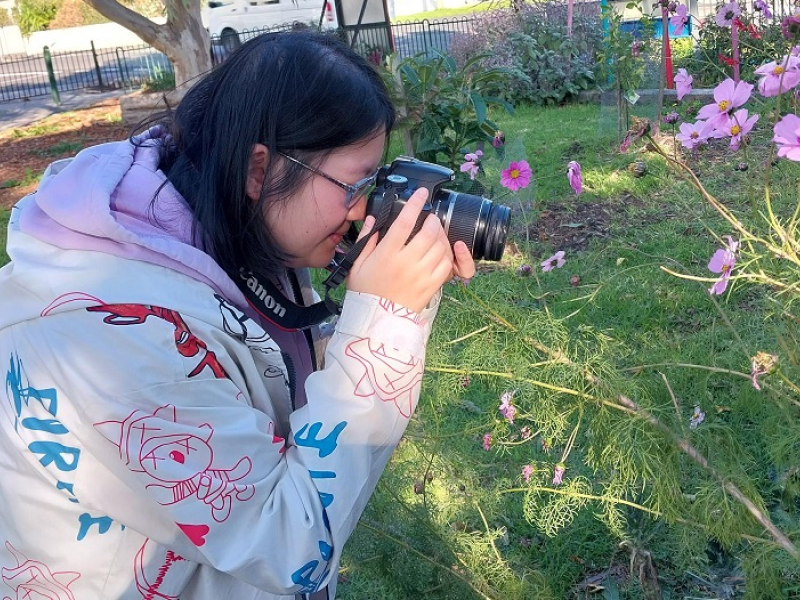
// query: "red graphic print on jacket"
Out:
[31,579]
[179,459]
[186,342]
[392,378]
[150,583]
[400,311]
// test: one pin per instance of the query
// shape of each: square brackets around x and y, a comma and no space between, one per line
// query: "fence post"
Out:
[97,66]
[119,65]
[51,76]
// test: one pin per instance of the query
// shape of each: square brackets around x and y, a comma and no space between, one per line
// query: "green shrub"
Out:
[545,63]
[682,49]
[159,81]
[35,15]
[448,106]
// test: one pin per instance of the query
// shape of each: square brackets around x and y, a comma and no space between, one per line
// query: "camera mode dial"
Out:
[396,182]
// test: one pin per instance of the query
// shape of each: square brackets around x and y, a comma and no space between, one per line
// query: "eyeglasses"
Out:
[354,191]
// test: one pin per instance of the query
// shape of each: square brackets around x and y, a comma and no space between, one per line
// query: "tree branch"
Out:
[142,26]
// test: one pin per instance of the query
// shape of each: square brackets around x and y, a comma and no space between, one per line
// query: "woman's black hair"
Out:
[301,93]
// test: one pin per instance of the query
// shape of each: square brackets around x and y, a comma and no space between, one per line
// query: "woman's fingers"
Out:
[464,264]
[409,271]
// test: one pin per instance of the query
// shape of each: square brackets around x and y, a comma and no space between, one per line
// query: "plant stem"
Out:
[410,548]
[627,405]
[585,497]
[488,534]
[684,445]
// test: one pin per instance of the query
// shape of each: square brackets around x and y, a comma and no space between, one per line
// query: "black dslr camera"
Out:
[475,220]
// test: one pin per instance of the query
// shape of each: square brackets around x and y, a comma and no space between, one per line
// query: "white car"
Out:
[226,19]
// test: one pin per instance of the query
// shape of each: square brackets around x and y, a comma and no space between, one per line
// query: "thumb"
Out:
[366,227]
[372,242]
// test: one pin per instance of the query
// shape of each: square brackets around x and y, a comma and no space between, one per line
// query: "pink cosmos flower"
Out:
[777,78]
[683,83]
[558,474]
[516,176]
[575,177]
[527,471]
[507,409]
[554,262]
[763,8]
[738,125]
[487,441]
[727,13]
[787,137]
[680,19]
[790,27]
[728,96]
[694,135]
[723,262]
[472,163]
[697,417]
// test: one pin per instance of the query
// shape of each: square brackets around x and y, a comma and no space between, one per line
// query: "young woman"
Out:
[162,437]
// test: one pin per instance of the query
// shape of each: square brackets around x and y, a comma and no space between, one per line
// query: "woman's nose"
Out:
[358,211]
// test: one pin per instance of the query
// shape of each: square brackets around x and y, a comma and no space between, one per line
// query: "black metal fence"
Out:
[130,67]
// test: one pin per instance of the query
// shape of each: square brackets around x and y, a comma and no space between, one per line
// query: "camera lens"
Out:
[477,221]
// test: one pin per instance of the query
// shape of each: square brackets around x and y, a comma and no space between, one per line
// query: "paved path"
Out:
[19,113]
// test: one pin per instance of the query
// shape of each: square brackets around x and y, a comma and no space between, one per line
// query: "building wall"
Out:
[104,35]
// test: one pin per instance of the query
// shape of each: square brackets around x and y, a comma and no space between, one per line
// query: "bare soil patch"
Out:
[26,152]
[573,225]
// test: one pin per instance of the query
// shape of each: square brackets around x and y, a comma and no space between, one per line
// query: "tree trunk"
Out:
[183,39]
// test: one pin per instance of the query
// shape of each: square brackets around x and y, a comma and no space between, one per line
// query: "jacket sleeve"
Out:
[192,465]
[359,406]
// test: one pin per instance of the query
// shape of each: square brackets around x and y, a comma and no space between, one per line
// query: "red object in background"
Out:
[667,48]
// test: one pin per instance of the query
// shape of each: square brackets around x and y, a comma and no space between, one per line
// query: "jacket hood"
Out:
[103,200]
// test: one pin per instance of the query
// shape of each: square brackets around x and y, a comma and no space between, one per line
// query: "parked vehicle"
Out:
[226,19]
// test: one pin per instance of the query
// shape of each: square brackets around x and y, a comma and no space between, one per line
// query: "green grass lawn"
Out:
[443,13]
[634,517]
[451,520]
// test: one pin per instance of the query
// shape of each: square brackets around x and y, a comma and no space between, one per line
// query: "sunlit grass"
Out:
[444,13]
[658,327]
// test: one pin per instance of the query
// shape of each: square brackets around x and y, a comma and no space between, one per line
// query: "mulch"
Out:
[26,152]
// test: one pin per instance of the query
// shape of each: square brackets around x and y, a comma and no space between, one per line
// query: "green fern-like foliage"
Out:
[552,512]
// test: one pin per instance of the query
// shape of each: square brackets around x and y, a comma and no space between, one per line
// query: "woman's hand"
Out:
[409,274]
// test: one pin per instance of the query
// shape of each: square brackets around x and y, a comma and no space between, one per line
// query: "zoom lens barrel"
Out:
[477,221]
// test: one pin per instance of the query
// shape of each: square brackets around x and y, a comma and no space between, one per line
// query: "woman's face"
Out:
[311,223]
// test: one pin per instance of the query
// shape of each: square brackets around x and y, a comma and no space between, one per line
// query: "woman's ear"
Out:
[256,171]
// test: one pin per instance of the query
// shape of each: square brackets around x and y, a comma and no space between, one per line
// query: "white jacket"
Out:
[148,444]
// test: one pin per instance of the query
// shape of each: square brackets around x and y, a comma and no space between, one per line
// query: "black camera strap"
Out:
[271,303]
